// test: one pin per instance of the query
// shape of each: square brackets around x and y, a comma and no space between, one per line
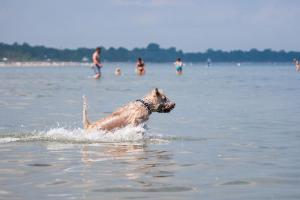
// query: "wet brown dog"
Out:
[134,113]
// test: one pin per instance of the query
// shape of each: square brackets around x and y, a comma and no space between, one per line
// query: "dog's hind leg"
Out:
[85,121]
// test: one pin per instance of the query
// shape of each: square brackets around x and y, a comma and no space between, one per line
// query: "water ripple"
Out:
[160,189]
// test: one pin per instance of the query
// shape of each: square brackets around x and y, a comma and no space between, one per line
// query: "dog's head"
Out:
[160,103]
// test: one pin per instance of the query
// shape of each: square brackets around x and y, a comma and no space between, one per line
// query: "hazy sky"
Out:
[190,25]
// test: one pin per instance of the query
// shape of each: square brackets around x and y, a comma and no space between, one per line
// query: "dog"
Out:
[133,113]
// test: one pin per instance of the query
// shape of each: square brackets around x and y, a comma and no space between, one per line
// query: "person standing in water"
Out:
[208,62]
[97,62]
[297,64]
[140,67]
[178,65]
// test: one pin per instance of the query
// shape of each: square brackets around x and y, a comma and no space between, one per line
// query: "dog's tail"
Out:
[85,121]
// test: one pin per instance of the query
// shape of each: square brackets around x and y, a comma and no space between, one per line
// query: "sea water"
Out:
[234,133]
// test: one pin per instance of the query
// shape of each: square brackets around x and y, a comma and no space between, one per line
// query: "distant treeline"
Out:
[152,53]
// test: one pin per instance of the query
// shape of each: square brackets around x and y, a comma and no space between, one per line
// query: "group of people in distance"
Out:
[140,65]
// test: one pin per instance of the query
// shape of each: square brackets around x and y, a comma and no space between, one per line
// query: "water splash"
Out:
[79,135]
[129,134]
[126,134]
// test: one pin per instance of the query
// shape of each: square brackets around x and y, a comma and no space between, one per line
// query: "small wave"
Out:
[160,189]
[168,138]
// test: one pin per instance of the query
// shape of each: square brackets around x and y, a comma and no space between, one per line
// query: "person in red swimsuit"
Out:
[140,67]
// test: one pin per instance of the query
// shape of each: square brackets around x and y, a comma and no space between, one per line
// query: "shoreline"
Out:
[42,64]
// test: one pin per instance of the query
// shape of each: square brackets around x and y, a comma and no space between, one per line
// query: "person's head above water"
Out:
[178,59]
[98,49]
[140,59]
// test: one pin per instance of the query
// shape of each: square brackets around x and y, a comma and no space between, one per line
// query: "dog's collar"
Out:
[146,105]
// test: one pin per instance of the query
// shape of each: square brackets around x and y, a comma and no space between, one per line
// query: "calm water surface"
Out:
[234,134]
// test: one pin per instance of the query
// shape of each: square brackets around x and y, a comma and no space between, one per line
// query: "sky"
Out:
[188,25]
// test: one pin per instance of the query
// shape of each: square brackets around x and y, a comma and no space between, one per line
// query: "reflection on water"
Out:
[73,169]
[138,163]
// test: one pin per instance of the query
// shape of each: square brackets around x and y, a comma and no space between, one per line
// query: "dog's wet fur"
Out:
[133,113]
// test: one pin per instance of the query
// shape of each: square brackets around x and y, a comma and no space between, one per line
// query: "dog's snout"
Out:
[170,106]
[173,106]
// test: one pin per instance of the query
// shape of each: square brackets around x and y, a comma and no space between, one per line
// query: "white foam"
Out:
[78,135]
[127,134]
[8,139]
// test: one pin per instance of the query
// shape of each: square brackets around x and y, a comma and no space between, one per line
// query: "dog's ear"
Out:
[155,92]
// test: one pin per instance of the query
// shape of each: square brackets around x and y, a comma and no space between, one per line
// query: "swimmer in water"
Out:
[297,64]
[140,67]
[97,62]
[118,71]
[178,65]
